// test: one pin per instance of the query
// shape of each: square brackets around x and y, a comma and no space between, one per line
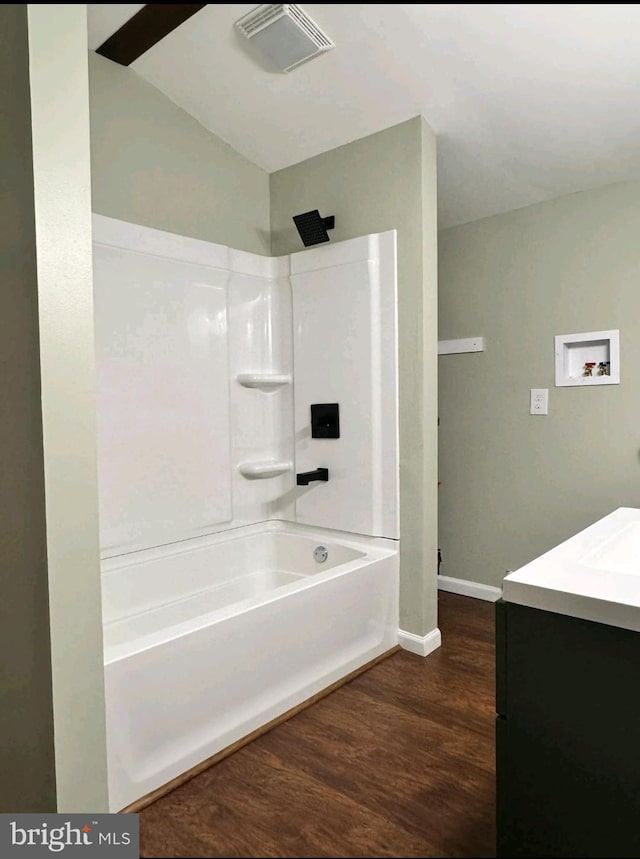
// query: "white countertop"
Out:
[594,575]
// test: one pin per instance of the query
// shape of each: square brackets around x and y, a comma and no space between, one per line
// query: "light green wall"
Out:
[27,775]
[374,184]
[429,380]
[62,196]
[153,164]
[514,485]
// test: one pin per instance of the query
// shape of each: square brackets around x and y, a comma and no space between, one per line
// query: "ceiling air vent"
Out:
[285,34]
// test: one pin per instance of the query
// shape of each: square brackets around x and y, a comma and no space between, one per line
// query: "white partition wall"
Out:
[345,340]
[181,326]
[200,351]
[260,359]
[163,382]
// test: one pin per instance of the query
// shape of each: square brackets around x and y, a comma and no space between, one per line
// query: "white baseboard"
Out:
[423,645]
[469,589]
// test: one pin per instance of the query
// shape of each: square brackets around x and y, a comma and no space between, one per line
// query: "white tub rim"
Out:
[373,549]
[358,542]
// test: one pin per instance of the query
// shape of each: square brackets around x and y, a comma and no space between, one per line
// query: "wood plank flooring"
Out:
[399,762]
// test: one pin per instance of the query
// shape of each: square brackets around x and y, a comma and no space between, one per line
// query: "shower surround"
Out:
[219,615]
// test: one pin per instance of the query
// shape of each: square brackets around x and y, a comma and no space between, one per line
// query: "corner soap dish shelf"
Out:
[263,381]
[264,469]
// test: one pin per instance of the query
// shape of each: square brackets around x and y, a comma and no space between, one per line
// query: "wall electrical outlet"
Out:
[539,402]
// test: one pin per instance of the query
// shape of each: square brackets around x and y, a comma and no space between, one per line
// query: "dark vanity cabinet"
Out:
[567,735]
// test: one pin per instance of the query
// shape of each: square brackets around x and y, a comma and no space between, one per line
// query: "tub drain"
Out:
[320,554]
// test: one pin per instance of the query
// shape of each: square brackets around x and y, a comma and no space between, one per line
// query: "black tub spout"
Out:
[305,477]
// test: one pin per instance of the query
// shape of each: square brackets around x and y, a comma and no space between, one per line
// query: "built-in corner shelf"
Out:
[264,469]
[591,358]
[264,381]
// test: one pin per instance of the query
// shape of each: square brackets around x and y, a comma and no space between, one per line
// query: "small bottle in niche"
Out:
[588,368]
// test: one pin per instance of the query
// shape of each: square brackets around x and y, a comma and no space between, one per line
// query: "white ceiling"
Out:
[528,101]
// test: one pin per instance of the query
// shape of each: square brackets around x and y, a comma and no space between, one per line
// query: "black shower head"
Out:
[313,228]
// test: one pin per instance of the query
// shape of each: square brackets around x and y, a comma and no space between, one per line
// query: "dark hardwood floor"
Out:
[398,762]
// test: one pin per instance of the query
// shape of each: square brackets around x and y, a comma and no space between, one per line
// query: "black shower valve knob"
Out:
[325,420]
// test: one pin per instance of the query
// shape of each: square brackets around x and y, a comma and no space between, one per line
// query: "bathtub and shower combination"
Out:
[231,594]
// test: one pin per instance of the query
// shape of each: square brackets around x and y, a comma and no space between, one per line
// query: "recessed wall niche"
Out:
[591,358]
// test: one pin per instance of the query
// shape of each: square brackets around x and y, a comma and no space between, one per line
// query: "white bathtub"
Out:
[209,639]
